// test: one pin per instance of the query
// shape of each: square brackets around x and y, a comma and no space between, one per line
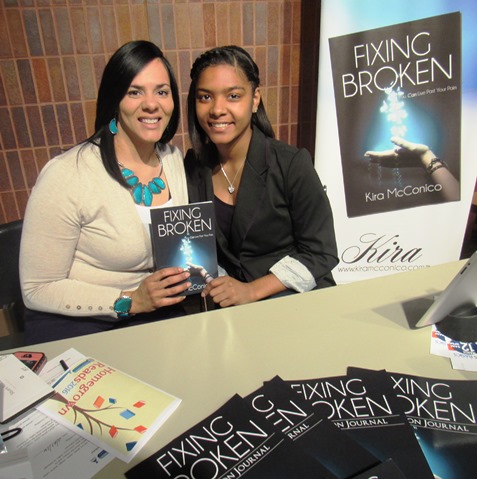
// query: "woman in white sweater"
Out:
[86,263]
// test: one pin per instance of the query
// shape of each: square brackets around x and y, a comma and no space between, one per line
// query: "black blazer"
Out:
[282,209]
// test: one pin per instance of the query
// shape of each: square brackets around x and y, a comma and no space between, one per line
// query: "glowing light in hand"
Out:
[393,108]
[186,248]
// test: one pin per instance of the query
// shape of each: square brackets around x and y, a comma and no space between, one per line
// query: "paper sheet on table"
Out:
[116,411]
[20,388]
[54,450]
[462,355]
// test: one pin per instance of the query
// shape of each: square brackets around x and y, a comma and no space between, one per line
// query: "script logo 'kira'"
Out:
[377,249]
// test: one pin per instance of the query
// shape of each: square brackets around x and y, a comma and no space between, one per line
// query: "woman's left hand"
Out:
[159,289]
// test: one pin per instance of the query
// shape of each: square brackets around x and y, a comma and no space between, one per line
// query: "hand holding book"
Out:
[164,287]
[184,236]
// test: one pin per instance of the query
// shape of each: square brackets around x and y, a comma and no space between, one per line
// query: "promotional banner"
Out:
[397,104]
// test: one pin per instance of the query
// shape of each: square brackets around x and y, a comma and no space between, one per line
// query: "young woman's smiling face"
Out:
[147,107]
[224,104]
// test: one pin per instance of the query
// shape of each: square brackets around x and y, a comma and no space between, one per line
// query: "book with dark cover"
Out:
[319,437]
[185,236]
[443,415]
[385,470]
[232,442]
[399,80]
[366,407]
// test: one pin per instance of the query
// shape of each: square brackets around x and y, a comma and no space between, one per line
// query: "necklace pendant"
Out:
[143,194]
[231,189]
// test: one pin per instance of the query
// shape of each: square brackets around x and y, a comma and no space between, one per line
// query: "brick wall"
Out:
[52,54]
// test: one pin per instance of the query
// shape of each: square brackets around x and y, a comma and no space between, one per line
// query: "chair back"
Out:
[10,291]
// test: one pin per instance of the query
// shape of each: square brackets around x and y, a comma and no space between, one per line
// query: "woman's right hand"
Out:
[159,290]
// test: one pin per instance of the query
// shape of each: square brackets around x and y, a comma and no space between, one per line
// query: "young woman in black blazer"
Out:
[275,231]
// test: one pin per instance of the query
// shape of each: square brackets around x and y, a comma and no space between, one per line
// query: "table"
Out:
[206,358]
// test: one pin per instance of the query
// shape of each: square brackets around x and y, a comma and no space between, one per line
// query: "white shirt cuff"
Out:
[222,271]
[293,274]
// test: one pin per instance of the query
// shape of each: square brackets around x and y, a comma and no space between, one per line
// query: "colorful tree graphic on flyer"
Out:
[116,411]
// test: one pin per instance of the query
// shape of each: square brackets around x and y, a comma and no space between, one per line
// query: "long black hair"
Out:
[226,55]
[121,69]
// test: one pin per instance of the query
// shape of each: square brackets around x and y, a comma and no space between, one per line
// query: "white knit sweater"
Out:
[83,240]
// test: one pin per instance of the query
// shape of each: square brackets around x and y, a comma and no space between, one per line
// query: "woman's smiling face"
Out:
[147,107]
[224,102]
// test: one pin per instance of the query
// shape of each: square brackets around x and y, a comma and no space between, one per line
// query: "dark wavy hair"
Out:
[118,75]
[226,55]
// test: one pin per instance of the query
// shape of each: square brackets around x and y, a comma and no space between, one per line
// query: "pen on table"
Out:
[5,436]
[64,365]
[11,433]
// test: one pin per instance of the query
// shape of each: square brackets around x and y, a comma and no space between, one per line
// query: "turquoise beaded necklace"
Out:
[142,193]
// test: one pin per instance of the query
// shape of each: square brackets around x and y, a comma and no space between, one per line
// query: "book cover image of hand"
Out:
[185,236]
[116,411]
[391,110]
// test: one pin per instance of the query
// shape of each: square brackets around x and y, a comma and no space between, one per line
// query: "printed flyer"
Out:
[233,442]
[443,415]
[110,408]
[364,405]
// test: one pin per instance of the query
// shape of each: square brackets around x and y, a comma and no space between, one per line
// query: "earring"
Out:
[255,111]
[113,127]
